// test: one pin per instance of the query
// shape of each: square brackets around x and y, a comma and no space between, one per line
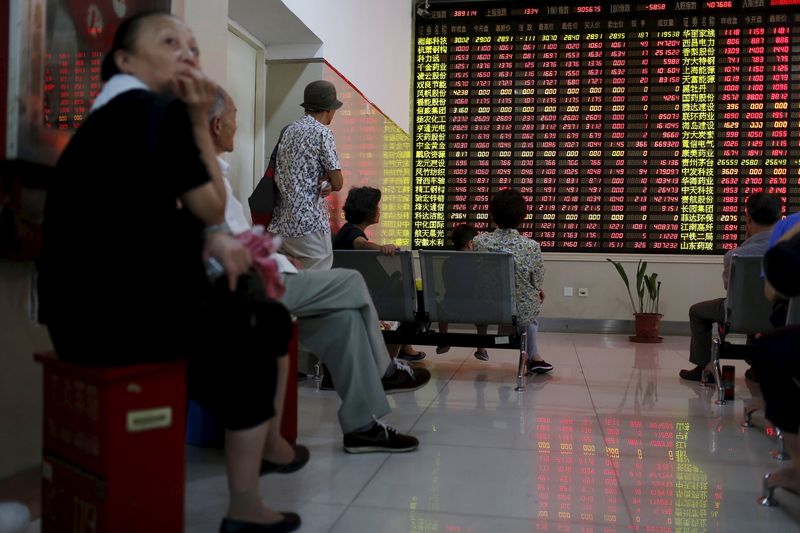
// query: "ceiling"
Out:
[271,22]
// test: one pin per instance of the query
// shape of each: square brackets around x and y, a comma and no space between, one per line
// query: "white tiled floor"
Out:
[613,440]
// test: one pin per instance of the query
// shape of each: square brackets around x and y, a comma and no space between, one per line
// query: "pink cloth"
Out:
[262,247]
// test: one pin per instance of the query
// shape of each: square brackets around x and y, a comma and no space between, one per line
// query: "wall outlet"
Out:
[583,292]
[568,292]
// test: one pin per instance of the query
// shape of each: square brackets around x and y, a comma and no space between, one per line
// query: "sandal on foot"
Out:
[481,354]
[411,357]
[301,456]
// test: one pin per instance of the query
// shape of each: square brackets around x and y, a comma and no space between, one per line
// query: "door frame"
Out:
[259,149]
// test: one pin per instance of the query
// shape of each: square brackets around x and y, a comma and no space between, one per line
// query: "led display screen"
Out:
[628,127]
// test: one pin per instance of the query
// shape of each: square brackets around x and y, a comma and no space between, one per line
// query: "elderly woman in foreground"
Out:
[137,206]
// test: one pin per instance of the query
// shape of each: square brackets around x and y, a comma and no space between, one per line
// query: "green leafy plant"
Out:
[645,286]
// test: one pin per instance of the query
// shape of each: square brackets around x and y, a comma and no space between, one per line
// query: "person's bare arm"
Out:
[770,293]
[336,179]
[205,204]
[360,243]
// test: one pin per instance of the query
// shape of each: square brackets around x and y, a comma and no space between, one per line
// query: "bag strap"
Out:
[273,159]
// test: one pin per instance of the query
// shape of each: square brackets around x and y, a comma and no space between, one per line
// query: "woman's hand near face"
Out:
[197,92]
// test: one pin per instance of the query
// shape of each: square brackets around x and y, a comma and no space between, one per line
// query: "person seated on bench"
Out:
[762,210]
[777,359]
[782,252]
[462,241]
[780,305]
[338,323]
[361,210]
[137,203]
[508,209]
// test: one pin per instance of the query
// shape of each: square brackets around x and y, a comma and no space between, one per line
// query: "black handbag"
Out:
[266,195]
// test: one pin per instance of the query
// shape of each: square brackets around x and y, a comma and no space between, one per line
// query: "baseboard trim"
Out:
[594,325]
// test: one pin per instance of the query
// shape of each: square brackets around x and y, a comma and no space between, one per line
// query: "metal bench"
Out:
[747,312]
[458,288]
[390,281]
[793,315]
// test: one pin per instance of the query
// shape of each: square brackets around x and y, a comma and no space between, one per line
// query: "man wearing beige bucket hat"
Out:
[307,170]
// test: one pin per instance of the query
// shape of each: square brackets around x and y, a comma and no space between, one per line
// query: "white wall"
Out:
[20,377]
[369,42]
[209,22]
[246,84]
[685,280]
[285,84]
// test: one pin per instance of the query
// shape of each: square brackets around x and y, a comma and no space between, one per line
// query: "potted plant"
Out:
[648,289]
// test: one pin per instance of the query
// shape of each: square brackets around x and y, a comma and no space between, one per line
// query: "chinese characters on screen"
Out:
[639,130]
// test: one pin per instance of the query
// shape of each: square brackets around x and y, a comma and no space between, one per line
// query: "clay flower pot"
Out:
[647,326]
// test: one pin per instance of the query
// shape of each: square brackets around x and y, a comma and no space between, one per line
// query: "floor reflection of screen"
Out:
[648,458]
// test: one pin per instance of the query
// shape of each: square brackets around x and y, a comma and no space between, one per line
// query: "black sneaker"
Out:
[696,374]
[379,438]
[538,367]
[405,378]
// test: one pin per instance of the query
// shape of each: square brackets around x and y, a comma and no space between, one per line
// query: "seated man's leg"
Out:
[340,325]
[312,293]
[702,316]
[339,339]
[345,289]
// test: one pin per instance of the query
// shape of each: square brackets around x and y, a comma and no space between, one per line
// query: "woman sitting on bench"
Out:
[508,209]
[361,210]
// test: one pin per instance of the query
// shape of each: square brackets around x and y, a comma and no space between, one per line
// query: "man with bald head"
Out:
[338,324]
